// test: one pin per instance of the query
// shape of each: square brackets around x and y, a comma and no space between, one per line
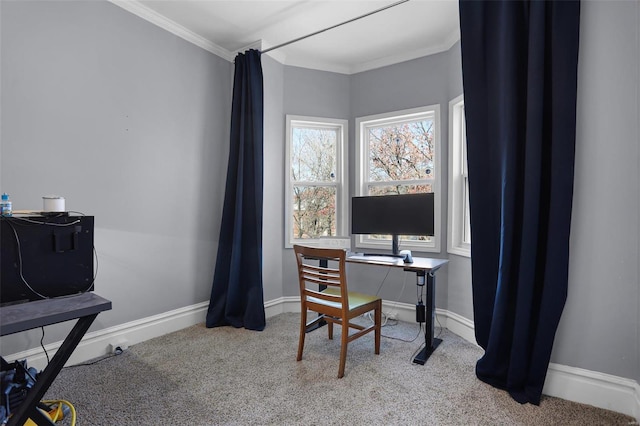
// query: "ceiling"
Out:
[405,31]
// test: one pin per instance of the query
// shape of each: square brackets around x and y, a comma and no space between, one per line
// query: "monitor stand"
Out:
[405,255]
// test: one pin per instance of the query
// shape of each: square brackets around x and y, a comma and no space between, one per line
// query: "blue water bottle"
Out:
[5,206]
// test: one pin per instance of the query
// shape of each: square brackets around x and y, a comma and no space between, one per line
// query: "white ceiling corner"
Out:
[225,27]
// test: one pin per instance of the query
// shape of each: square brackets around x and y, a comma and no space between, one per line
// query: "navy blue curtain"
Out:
[236,295]
[519,66]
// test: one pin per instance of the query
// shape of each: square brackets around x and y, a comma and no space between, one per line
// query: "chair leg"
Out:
[378,324]
[343,347]
[330,329]
[303,332]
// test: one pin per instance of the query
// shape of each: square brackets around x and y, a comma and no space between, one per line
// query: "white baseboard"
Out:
[574,384]
[96,344]
[593,388]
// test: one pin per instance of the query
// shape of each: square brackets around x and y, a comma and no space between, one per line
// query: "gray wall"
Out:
[600,326]
[273,217]
[130,124]
[315,94]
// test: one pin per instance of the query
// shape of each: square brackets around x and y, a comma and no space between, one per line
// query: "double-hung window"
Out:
[459,228]
[398,153]
[316,202]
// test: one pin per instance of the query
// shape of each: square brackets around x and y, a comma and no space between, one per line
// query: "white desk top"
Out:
[419,263]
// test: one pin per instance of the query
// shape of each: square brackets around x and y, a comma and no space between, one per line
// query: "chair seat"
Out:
[356,300]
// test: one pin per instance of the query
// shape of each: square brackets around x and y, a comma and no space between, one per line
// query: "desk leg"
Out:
[28,407]
[430,342]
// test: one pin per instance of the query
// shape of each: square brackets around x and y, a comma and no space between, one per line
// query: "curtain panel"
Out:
[237,292]
[519,61]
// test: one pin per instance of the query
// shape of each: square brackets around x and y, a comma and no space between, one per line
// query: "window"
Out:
[398,153]
[316,200]
[459,229]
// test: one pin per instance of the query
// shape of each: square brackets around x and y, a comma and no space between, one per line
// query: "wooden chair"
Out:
[324,290]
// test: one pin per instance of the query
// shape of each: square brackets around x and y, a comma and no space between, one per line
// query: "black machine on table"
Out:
[47,277]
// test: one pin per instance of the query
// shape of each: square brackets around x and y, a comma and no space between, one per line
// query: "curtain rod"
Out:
[334,26]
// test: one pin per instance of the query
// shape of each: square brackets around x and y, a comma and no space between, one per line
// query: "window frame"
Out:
[361,174]
[341,181]
[458,209]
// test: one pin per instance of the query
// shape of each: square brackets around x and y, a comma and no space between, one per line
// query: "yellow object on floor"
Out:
[56,413]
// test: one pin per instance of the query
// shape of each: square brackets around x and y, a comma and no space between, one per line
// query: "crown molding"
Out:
[408,56]
[155,18]
[447,44]
[149,15]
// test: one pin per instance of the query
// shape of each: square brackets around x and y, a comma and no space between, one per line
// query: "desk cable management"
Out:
[387,315]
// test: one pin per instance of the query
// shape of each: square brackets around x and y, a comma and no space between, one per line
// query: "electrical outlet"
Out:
[118,346]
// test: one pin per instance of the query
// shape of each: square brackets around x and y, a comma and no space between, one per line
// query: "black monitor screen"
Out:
[405,214]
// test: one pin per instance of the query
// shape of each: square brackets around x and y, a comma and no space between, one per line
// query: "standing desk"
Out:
[84,307]
[425,269]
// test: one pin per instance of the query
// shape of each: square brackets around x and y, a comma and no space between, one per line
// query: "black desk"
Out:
[425,269]
[25,316]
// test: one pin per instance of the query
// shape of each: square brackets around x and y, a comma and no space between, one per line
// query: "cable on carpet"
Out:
[57,412]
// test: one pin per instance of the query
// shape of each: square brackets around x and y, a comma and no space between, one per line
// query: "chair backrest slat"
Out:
[335,298]
[312,275]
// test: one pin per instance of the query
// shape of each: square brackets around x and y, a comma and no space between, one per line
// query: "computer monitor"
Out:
[403,214]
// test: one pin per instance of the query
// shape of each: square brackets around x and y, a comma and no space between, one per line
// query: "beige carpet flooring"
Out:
[227,376]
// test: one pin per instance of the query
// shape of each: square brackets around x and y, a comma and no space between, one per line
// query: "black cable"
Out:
[45,222]
[84,364]
[43,348]
[439,326]
[15,233]
[405,340]
[419,347]
[383,280]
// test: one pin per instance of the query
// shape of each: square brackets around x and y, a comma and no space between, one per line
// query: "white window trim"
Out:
[457,170]
[361,174]
[342,188]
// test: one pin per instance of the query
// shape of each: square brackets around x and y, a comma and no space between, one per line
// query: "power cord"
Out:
[404,284]
[383,280]
[55,407]
[439,327]
[419,347]
[57,411]
[42,345]
[96,361]
[368,316]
